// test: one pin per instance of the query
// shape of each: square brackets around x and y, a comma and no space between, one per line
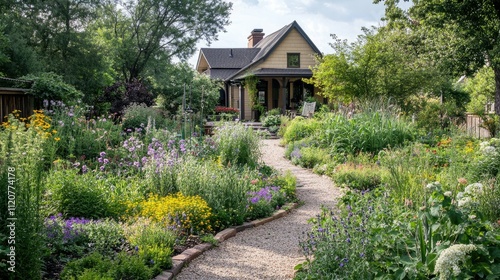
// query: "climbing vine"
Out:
[251,82]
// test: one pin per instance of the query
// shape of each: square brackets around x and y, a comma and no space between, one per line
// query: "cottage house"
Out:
[279,61]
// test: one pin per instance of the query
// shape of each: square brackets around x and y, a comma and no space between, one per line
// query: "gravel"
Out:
[272,250]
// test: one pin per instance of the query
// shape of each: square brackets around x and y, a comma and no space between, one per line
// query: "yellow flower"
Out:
[57,138]
[54,131]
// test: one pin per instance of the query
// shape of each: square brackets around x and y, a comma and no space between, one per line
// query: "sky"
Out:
[318,19]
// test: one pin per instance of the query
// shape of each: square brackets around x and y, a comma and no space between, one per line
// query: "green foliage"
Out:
[124,267]
[105,236]
[22,170]
[481,88]
[141,37]
[224,189]
[367,131]
[486,162]
[379,63]
[153,240]
[237,145]
[434,116]
[358,177]
[139,115]
[84,195]
[371,237]
[300,128]
[79,138]
[50,86]
[251,82]
[272,120]
[201,92]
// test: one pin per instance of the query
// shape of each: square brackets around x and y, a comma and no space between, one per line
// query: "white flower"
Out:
[460,195]
[450,258]
[472,217]
[474,189]
[433,186]
[464,202]
[489,151]
[448,193]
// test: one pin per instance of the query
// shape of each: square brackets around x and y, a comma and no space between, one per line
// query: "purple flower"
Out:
[106,161]
[102,168]
[84,169]
[102,154]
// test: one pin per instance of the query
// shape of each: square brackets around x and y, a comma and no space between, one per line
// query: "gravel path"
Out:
[272,250]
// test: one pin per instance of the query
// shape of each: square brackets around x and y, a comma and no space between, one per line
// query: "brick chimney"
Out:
[255,37]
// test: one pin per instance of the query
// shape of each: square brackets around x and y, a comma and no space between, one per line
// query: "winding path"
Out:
[272,250]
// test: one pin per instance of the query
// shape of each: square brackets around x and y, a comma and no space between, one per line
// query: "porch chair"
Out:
[308,109]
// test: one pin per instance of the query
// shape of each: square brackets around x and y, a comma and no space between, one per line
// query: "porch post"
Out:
[284,95]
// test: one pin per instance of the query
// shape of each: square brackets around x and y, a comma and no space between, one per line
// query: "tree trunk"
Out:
[496,69]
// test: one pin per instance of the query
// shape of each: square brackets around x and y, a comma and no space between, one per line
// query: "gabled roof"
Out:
[271,41]
[231,63]
[229,58]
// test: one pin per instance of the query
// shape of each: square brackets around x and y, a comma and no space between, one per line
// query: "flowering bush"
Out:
[184,214]
[237,145]
[373,237]
[227,110]
[263,202]
[487,162]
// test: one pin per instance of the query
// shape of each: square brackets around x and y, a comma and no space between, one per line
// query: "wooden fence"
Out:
[473,127]
[16,99]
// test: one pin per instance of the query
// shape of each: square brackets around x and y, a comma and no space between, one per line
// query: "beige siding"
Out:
[248,109]
[293,43]
[235,97]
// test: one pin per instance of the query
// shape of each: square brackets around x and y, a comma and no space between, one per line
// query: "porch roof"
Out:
[278,72]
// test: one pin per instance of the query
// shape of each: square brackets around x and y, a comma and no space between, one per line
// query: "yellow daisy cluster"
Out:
[187,214]
[38,121]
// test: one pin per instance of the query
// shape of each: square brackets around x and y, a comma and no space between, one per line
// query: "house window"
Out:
[293,60]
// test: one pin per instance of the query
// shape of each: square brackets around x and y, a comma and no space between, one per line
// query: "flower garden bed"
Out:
[112,202]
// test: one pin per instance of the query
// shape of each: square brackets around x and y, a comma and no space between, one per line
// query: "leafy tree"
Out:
[122,94]
[50,86]
[202,93]
[463,35]
[145,32]
[381,62]
[481,88]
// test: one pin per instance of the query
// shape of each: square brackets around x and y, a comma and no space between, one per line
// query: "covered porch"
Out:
[285,91]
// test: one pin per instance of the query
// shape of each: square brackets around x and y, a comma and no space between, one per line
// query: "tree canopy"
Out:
[94,44]
[462,35]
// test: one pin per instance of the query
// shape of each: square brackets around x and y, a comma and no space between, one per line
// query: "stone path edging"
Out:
[190,254]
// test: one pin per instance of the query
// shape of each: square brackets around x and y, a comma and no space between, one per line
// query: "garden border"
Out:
[190,254]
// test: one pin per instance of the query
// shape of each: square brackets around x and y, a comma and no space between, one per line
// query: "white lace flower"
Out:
[465,202]
[474,189]
[450,258]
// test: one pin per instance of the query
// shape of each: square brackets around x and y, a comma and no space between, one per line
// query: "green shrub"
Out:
[124,267]
[50,86]
[137,116]
[105,236]
[85,195]
[300,128]
[153,241]
[94,263]
[287,183]
[223,188]
[75,195]
[486,163]
[369,131]
[272,120]
[359,177]
[312,156]
[237,145]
